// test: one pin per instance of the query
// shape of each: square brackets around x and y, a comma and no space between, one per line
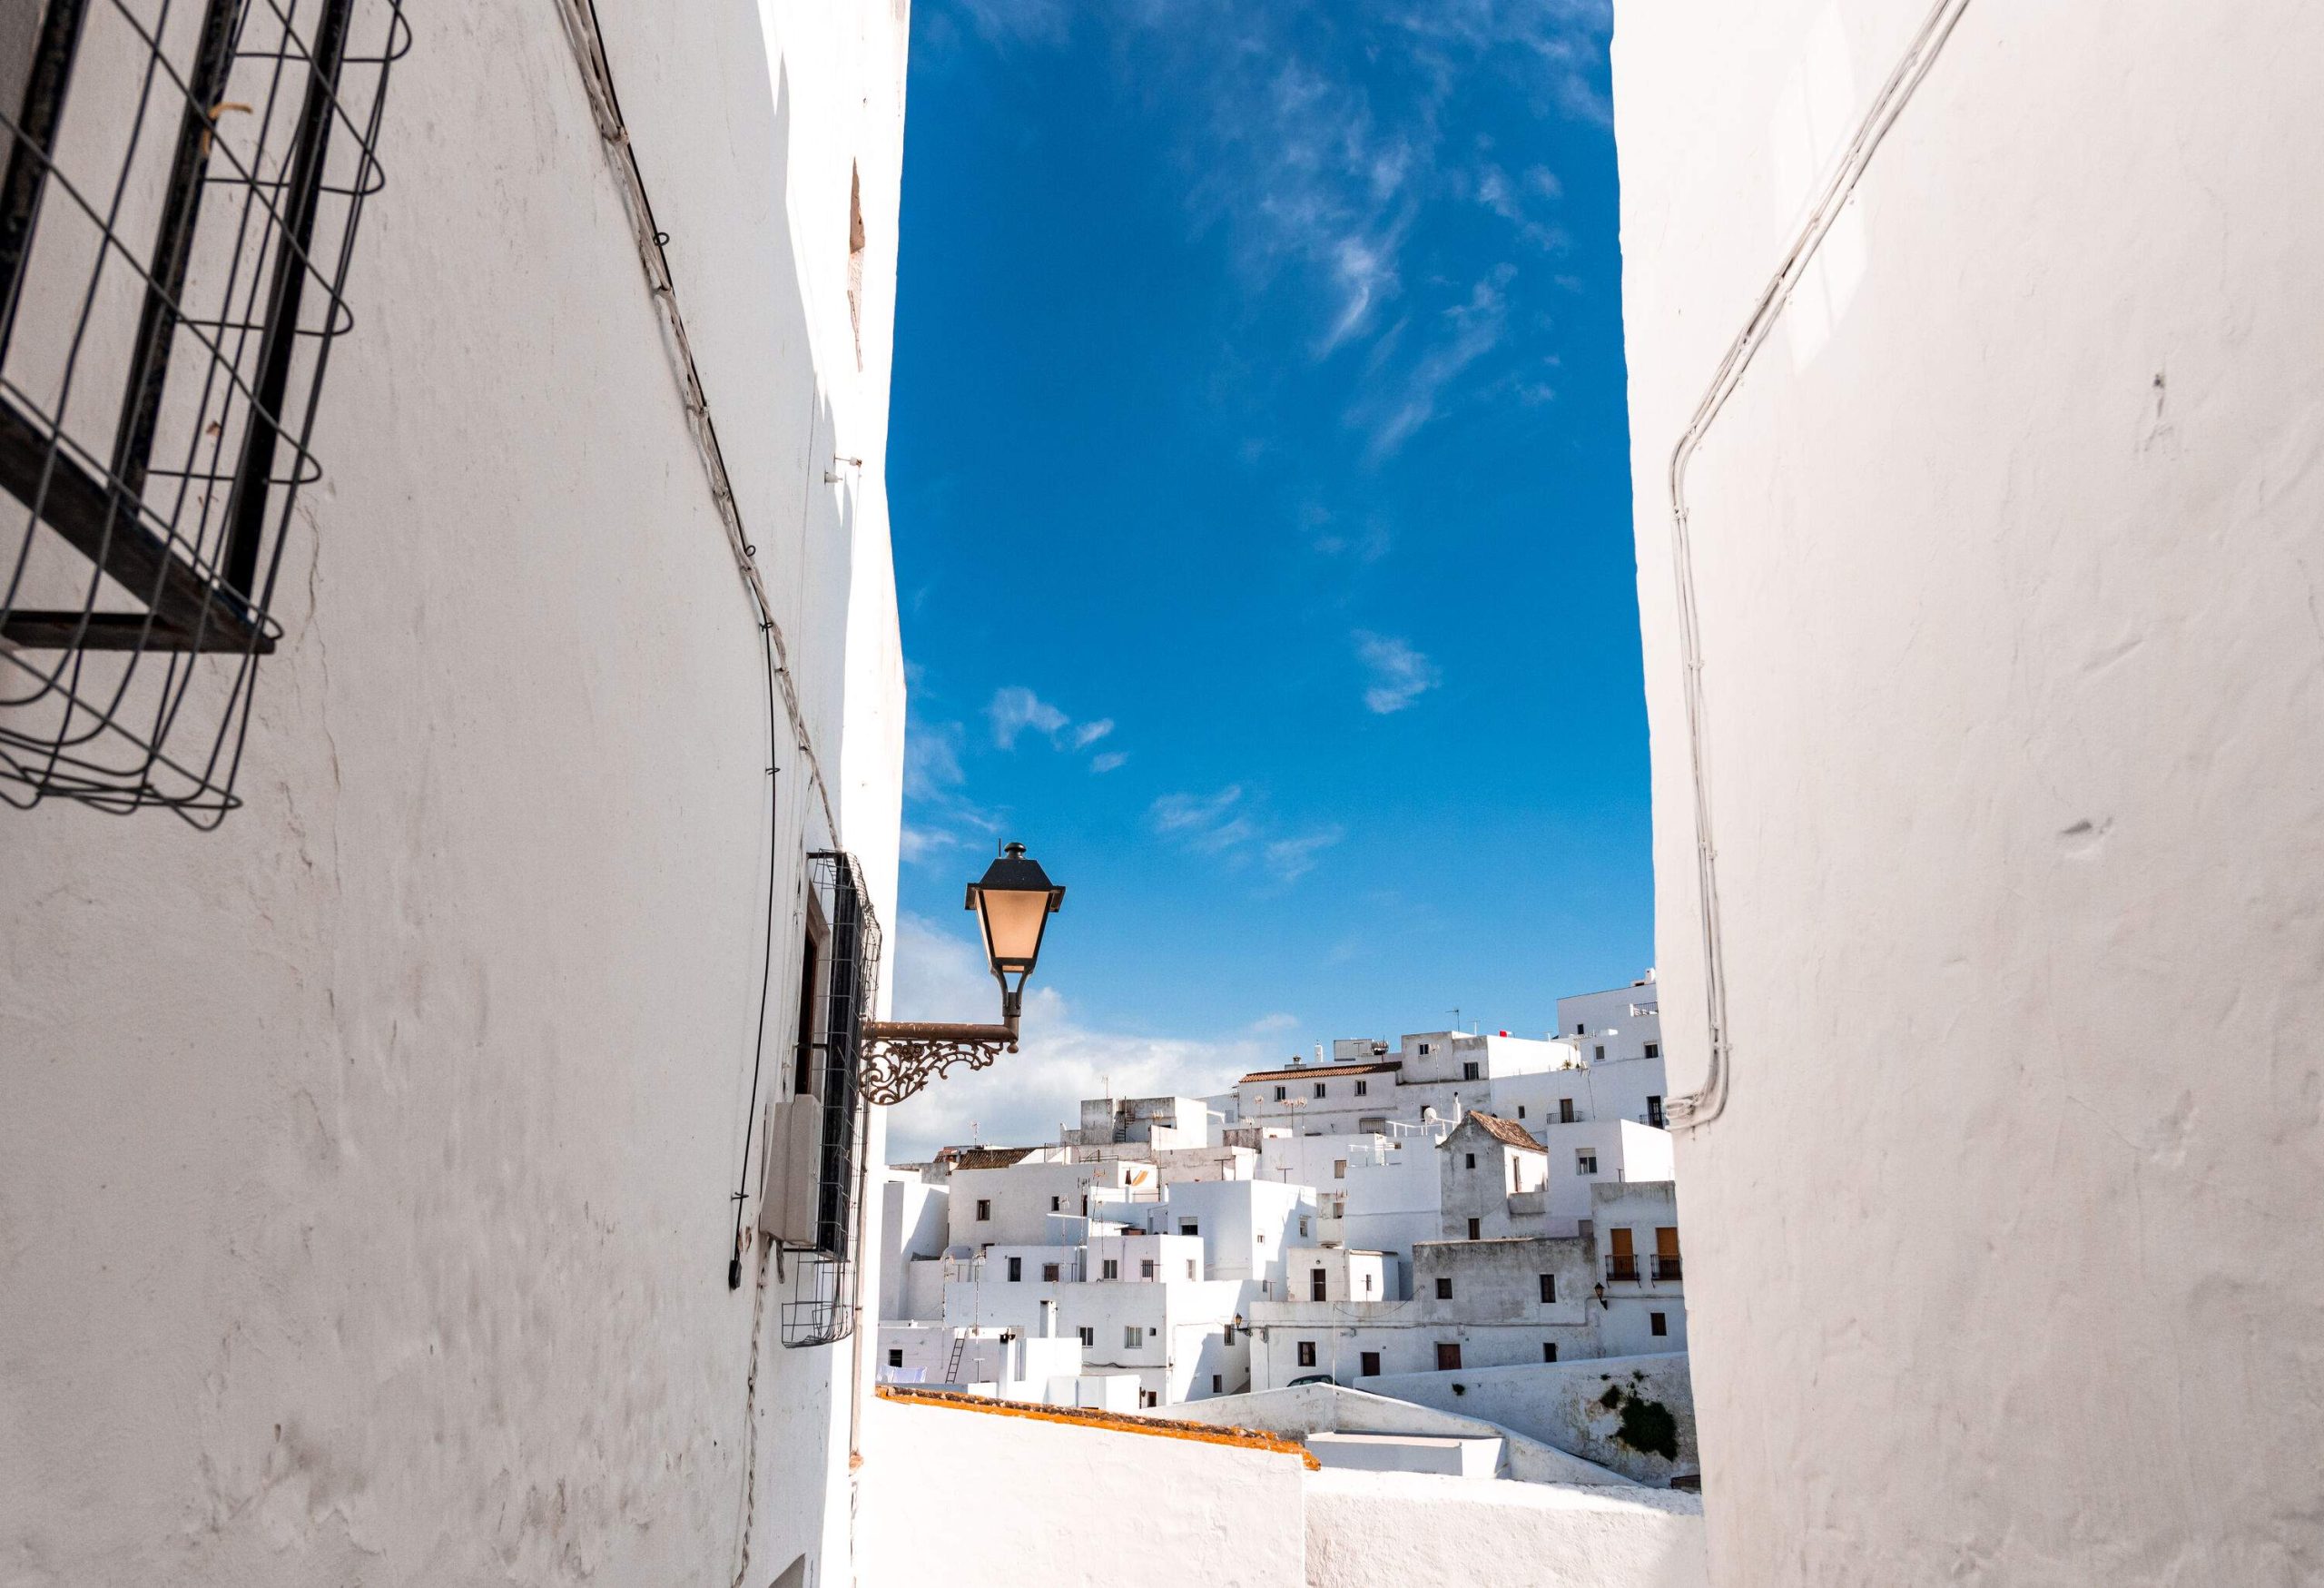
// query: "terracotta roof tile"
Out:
[985,1157]
[1325,1071]
[1508,1130]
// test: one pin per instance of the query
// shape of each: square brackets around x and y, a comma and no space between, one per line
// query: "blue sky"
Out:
[1259,479]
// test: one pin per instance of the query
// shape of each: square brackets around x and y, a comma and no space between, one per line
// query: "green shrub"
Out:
[1648,1426]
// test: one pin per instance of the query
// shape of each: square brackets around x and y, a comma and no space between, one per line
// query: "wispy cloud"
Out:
[1340,151]
[1004,20]
[940,812]
[922,844]
[1333,145]
[1015,708]
[931,759]
[1400,675]
[1227,824]
[1467,331]
[1207,824]
[1289,859]
[1108,761]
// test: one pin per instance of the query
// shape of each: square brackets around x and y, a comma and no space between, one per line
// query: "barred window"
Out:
[177,218]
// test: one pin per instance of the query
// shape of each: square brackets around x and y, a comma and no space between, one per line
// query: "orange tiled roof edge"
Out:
[1089,1417]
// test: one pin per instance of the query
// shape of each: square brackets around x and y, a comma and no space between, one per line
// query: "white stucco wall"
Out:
[1023,1201]
[984,1500]
[1385,1530]
[365,1165]
[2005,552]
[1244,1226]
[914,1221]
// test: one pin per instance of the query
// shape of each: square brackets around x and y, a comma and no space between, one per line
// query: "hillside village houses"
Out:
[1470,1201]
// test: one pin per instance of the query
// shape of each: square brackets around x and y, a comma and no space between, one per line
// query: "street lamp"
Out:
[1013,902]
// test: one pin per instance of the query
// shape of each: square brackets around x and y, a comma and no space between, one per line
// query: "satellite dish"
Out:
[1428,1113]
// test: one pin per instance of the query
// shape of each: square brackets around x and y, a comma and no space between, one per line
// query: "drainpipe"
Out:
[856,1366]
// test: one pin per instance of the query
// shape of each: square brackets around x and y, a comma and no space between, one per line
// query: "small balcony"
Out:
[1621,1268]
[1666,1270]
[1527,1204]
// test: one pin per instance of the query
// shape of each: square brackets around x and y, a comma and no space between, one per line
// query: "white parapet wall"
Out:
[995,1496]
[1311,1409]
[1399,1529]
[986,1494]
[1445,1454]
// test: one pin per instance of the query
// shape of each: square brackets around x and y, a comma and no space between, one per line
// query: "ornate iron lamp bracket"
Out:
[900,1057]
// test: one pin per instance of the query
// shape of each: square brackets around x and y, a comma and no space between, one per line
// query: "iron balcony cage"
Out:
[820,1306]
[182,184]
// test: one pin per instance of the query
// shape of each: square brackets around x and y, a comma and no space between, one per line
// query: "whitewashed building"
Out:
[1489,1303]
[1507,1278]
[1368,1083]
[372,1140]
[1148,1267]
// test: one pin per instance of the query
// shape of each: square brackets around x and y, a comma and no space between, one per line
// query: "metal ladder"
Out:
[952,1368]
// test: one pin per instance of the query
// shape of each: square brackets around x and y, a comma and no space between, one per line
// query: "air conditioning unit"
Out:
[790,1171]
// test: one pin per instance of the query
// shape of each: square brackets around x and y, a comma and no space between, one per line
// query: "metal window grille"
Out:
[821,1308]
[182,184]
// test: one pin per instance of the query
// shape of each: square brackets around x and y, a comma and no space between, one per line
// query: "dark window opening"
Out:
[802,1071]
[1549,1287]
[1658,1323]
[1476,1230]
[1448,1356]
[1306,1353]
[1369,1365]
[1317,1284]
[895,1357]
[1016,1271]
[1549,1350]
[1444,1287]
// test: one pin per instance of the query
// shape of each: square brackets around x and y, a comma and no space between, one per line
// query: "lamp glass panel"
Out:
[1013,920]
